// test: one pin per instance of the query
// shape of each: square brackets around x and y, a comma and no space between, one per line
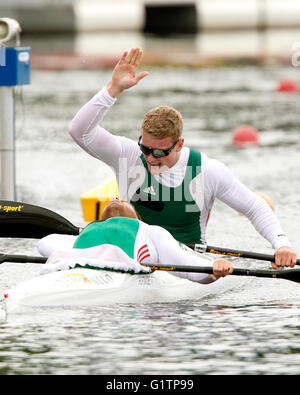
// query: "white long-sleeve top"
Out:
[152,245]
[214,182]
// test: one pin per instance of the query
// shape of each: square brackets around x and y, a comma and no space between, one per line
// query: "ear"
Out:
[180,144]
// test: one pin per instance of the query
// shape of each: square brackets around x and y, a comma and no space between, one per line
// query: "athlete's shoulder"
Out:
[130,151]
[212,164]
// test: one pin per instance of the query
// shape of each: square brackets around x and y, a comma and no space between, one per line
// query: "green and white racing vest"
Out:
[119,231]
[171,208]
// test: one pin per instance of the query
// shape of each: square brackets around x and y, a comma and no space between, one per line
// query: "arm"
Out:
[223,185]
[170,252]
[94,139]
[85,129]
[48,244]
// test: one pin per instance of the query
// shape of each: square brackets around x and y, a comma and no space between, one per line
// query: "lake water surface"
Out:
[253,327]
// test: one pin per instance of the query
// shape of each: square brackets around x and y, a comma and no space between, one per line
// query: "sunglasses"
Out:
[156,152]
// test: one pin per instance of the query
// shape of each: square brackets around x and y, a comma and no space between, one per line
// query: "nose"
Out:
[115,200]
[150,157]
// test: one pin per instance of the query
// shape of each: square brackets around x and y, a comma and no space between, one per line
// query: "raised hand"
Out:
[124,74]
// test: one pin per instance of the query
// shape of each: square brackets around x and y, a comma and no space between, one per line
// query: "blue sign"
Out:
[15,66]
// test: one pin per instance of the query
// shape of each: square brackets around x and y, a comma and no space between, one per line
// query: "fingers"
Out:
[222,268]
[141,75]
[123,58]
[134,57]
[284,257]
[138,58]
[137,53]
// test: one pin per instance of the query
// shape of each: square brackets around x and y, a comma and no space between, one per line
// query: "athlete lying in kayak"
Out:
[122,237]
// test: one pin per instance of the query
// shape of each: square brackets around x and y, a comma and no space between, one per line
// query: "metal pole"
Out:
[7,144]
[14,70]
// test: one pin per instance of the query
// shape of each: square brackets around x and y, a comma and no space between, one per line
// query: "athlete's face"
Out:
[117,208]
[159,165]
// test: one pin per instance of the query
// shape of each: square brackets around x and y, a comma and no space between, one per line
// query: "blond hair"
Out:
[163,122]
[117,210]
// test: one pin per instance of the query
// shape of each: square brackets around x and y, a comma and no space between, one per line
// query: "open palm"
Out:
[124,74]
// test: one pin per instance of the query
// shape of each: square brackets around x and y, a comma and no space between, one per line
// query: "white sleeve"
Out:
[94,139]
[170,253]
[48,244]
[221,184]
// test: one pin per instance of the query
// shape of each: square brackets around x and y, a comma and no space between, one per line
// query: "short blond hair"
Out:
[163,121]
[117,210]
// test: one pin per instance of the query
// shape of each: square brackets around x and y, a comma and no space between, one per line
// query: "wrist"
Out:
[113,90]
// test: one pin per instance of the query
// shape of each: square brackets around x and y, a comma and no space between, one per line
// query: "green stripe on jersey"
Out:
[118,231]
[171,208]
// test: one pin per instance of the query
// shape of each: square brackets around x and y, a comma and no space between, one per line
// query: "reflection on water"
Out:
[154,339]
[206,47]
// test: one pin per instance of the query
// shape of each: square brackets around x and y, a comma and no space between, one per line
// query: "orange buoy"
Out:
[245,135]
[287,85]
[267,199]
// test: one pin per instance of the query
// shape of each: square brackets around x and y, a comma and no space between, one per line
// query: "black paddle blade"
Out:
[24,220]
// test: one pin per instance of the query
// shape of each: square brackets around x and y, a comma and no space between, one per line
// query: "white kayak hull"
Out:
[89,287]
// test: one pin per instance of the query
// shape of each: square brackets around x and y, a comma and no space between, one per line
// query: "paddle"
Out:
[24,220]
[202,248]
[286,274]
[22,258]
[29,221]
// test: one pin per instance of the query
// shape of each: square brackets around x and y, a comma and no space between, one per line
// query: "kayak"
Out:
[92,287]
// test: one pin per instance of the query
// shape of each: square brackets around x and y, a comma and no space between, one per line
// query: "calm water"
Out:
[250,328]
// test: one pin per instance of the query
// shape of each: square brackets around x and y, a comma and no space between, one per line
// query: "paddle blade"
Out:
[24,220]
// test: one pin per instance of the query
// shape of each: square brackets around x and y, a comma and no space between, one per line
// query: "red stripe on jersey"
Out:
[141,253]
[144,246]
[144,257]
[142,250]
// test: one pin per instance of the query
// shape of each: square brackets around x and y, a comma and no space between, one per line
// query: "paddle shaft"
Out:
[287,274]
[22,258]
[202,248]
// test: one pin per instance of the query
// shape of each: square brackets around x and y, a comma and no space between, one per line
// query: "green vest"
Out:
[118,231]
[171,208]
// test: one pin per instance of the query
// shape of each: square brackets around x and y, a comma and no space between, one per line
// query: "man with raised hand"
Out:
[168,183]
